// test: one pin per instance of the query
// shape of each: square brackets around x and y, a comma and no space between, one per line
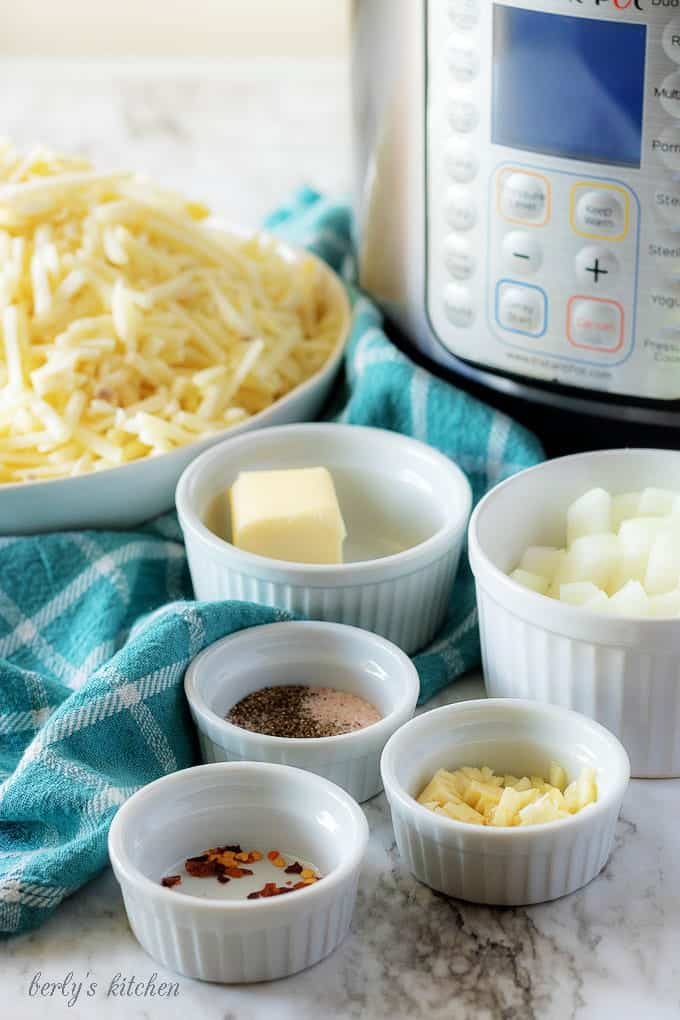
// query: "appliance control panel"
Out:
[553,190]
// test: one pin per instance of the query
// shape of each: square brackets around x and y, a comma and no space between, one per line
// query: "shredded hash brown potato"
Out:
[129,327]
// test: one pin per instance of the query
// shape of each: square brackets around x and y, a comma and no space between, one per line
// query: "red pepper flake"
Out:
[226,862]
[201,868]
[238,872]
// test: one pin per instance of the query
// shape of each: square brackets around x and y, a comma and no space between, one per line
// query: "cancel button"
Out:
[595,324]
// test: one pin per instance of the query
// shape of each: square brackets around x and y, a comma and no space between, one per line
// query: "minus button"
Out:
[522,254]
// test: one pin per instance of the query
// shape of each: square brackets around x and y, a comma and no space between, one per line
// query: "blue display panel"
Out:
[568,86]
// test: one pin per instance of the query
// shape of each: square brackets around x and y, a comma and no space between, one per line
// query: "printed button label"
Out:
[464,13]
[524,197]
[594,324]
[459,306]
[600,213]
[459,258]
[461,211]
[521,308]
[668,94]
[671,40]
[667,147]
[461,160]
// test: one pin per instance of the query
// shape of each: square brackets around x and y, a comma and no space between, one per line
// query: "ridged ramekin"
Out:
[623,672]
[313,654]
[261,806]
[387,484]
[503,866]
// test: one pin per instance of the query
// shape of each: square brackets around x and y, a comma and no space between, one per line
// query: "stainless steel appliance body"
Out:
[518,193]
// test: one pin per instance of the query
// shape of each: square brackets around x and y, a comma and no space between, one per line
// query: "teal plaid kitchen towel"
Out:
[97,628]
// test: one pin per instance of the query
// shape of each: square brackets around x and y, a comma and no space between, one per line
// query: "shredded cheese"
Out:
[129,327]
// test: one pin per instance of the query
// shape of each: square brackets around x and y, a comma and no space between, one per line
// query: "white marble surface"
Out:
[242,138]
[607,951]
[239,136]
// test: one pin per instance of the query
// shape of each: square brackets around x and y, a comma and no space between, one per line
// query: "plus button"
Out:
[597,267]
[597,270]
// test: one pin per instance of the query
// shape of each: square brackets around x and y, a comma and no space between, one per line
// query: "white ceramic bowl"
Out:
[504,866]
[405,507]
[260,806]
[125,496]
[313,654]
[623,672]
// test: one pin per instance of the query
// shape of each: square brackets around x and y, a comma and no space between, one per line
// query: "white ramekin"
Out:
[388,485]
[509,866]
[623,672]
[259,805]
[314,654]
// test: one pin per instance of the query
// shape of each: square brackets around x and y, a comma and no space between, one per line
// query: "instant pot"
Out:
[518,201]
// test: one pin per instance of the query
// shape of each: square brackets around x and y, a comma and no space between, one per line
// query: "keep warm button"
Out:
[601,213]
[594,324]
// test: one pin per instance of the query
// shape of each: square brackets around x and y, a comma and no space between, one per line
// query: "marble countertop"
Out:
[241,137]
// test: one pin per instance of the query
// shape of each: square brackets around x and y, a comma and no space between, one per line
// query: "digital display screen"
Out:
[568,86]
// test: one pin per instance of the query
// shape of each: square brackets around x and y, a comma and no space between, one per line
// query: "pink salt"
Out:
[339,711]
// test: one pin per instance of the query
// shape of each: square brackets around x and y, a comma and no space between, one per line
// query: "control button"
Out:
[459,306]
[520,308]
[463,61]
[596,267]
[667,147]
[464,13]
[595,324]
[671,40]
[667,204]
[463,114]
[522,254]
[459,257]
[666,252]
[461,160]
[461,211]
[668,94]
[600,212]
[524,197]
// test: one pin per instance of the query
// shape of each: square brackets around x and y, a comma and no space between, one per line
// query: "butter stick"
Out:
[289,515]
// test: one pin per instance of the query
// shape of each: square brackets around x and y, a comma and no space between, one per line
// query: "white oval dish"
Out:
[260,806]
[622,672]
[503,866]
[313,654]
[125,496]
[405,506]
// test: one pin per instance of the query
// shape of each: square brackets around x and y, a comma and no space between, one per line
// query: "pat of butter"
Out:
[288,515]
